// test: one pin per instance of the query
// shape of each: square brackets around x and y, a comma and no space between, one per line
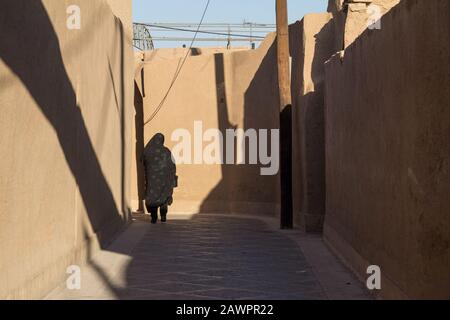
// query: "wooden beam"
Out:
[283,55]
[284,84]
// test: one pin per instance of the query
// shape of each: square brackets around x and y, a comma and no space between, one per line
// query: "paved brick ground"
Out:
[221,257]
[205,257]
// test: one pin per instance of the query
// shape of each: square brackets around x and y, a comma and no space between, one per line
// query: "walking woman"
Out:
[160,177]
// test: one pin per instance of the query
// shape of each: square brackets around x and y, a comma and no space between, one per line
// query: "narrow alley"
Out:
[300,150]
[218,257]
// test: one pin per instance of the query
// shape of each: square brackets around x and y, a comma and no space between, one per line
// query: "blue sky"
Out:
[220,11]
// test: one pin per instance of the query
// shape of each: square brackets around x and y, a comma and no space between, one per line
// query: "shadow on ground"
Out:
[206,257]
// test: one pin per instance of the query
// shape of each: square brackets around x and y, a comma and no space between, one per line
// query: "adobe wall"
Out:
[66,101]
[363,13]
[311,45]
[123,9]
[388,151]
[250,85]
[352,17]
[224,90]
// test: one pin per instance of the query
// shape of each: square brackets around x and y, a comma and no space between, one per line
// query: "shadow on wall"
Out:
[30,48]
[139,144]
[308,121]
[242,186]
[221,193]
[388,151]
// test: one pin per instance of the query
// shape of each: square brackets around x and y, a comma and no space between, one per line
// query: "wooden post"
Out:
[283,54]
[284,84]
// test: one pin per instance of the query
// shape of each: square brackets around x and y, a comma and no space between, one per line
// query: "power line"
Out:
[177,73]
[198,31]
[220,30]
[182,39]
[214,25]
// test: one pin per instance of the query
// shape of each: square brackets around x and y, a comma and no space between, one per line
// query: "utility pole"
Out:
[283,55]
[284,85]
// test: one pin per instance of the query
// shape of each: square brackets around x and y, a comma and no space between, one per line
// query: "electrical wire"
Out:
[198,31]
[178,71]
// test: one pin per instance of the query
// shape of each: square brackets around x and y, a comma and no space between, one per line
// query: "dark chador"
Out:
[160,177]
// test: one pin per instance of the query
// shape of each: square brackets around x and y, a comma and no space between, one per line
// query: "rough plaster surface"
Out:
[352,17]
[66,104]
[311,45]
[361,13]
[387,151]
[224,90]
